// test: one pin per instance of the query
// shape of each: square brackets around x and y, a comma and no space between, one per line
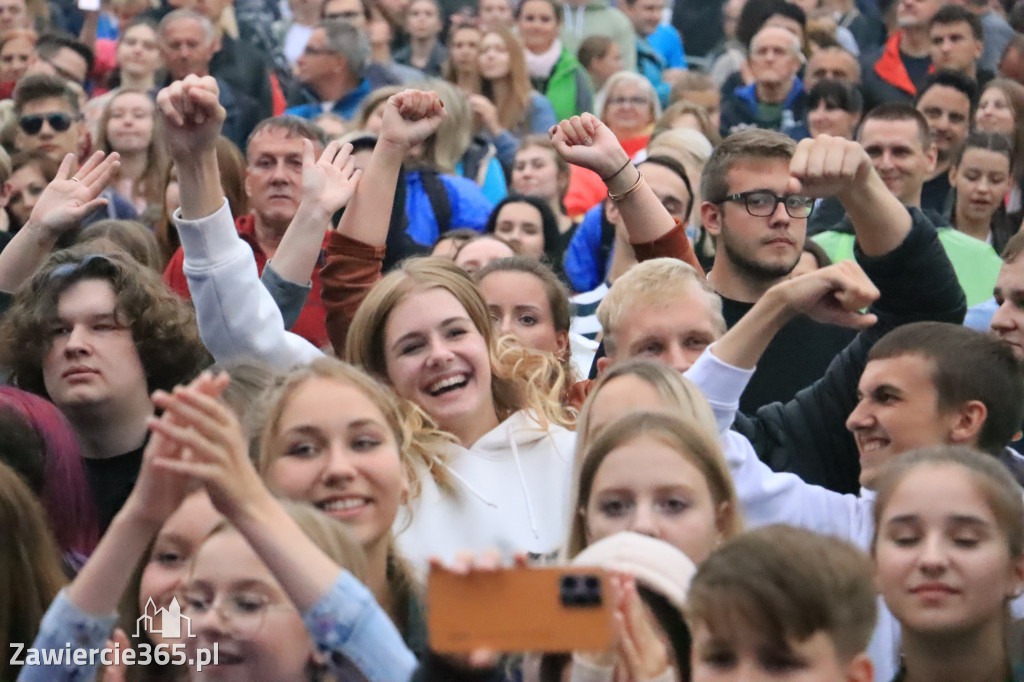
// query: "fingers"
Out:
[826,158]
[307,153]
[67,167]
[99,177]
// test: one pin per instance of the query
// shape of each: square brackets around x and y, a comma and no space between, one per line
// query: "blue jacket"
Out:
[346,107]
[739,111]
[585,267]
[650,64]
[669,45]
[469,207]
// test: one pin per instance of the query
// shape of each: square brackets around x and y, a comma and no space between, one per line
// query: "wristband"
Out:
[629,192]
[621,168]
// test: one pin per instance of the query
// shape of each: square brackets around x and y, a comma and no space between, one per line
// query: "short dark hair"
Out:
[899,111]
[548,224]
[754,15]
[955,14]
[835,93]
[676,167]
[952,79]
[50,43]
[38,86]
[293,126]
[966,365]
[163,326]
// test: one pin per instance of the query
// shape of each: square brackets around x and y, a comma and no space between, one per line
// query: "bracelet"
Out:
[629,192]
[621,168]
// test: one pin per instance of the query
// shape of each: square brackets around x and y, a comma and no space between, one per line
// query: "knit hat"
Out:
[657,565]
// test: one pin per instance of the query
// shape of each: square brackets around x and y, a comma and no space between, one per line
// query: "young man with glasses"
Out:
[48,115]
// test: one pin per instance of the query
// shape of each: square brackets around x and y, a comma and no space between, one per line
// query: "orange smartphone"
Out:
[520,609]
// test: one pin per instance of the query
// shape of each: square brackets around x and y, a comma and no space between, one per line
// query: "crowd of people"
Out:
[722,300]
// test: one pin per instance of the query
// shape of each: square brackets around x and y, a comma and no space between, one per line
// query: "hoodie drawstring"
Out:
[468,485]
[526,489]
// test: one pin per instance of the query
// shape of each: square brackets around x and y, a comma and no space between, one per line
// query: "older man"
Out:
[776,99]
[332,71]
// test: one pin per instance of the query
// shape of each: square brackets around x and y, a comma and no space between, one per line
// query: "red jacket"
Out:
[311,324]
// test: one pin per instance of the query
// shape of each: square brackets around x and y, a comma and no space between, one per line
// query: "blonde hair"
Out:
[520,377]
[687,436]
[656,282]
[512,104]
[620,77]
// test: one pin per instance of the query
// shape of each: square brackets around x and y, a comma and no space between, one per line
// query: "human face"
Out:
[953,46]
[949,115]
[745,653]
[65,63]
[334,449]
[130,128]
[674,335]
[899,156]
[1008,320]
[765,247]
[494,59]
[916,13]
[648,487]
[711,100]
[519,307]
[981,181]
[897,411]
[628,111]
[423,20]
[645,15]
[318,63]
[169,560]
[521,225]
[535,173]
[138,51]
[438,359]
[772,59]
[237,605]
[495,14]
[830,63]
[622,395]
[92,360]
[829,119]
[349,10]
[669,188]
[273,178]
[538,25]
[14,58]
[1012,65]
[26,184]
[994,113]
[55,144]
[464,49]
[13,14]
[479,252]
[185,48]
[942,561]
[604,67]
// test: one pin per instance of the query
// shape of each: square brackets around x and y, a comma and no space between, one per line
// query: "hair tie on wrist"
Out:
[621,168]
[629,192]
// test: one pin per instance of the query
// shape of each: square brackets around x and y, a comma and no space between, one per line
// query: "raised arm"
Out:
[355,251]
[59,210]
[834,166]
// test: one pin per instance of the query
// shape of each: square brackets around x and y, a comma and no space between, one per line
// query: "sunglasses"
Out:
[91,263]
[58,121]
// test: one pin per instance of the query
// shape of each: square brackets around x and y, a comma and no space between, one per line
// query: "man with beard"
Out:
[947,102]
[759,225]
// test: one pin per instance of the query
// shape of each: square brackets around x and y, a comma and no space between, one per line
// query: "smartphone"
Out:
[520,609]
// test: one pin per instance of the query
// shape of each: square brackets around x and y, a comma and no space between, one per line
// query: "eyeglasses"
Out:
[636,101]
[244,610]
[761,203]
[344,16]
[311,51]
[31,124]
[93,261]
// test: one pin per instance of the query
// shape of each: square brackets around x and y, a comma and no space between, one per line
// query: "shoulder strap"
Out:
[439,201]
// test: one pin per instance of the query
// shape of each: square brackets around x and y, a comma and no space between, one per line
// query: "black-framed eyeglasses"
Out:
[348,15]
[92,261]
[762,203]
[31,124]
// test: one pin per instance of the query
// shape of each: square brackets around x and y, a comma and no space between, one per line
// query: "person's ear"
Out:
[860,669]
[5,194]
[967,422]
[562,344]
[603,364]
[933,157]
[1016,578]
[723,519]
[611,212]
[952,175]
[711,216]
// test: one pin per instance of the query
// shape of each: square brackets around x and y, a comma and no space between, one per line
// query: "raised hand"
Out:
[828,166]
[410,117]
[193,116]
[834,295]
[488,113]
[641,652]
[329,182]
[213,449]
[72,196]
[586,141]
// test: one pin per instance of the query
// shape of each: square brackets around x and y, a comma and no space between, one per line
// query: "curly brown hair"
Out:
[163,326]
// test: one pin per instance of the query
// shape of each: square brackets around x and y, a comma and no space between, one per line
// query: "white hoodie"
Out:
[511,494]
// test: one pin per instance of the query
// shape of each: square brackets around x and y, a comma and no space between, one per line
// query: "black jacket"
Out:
[807,436]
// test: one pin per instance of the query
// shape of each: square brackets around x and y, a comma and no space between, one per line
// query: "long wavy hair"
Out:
[520,377]
[150,185]
[513,100]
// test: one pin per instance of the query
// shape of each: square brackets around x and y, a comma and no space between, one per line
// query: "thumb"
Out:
[794,186]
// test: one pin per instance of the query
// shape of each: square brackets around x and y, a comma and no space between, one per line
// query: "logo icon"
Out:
[170,621]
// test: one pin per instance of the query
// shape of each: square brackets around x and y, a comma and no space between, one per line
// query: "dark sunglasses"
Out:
[33,123]
[93,263]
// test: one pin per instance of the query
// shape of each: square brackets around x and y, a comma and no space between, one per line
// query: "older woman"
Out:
[629,106]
